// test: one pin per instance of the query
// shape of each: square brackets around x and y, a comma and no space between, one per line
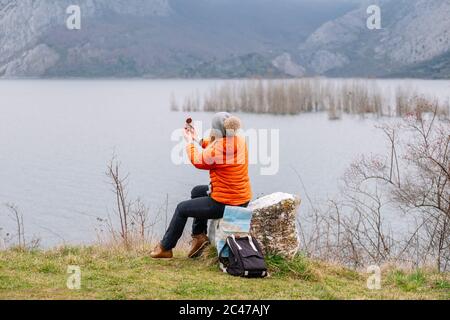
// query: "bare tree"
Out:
[417,180]
[123,206]
[135,222]
[18,219]
[21,240]
[410,184]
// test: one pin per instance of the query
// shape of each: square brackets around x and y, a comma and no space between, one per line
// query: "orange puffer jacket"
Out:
[227,162]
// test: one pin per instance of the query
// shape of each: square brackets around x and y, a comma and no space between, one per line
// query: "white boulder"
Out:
[274,223]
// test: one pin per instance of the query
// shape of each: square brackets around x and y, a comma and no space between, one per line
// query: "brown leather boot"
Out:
[160,253]
[199,242]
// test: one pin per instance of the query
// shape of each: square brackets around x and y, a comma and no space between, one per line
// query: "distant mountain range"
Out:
[414,35]
[224,39]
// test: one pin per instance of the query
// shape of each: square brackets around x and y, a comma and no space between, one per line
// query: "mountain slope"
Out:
[223,38]
[436,68]
[25,25]
[413,31]
[155,38]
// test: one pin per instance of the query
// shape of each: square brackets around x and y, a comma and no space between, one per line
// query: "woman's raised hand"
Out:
[189,135]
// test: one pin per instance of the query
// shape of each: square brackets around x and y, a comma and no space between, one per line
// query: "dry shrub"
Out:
[131,225]
[410,183]
[16,239]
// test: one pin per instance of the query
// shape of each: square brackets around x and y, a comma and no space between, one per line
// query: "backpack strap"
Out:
[221,257]
[250,240]
[234,239]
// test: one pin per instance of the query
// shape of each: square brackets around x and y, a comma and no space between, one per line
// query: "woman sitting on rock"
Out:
[225,155]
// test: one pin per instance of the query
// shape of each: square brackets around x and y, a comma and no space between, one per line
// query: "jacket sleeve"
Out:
[201,160]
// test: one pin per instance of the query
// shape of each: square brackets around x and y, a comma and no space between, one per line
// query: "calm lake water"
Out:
[56,138]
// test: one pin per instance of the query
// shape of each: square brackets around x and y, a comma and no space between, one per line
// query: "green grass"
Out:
[118,274]
[408,282]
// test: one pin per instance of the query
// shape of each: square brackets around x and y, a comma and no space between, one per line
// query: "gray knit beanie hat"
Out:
[217,124]
[224,124]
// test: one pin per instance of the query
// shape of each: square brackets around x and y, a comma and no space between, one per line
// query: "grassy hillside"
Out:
[116,274]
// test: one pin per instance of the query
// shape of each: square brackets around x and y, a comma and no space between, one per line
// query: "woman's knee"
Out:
[182,208]
[199,191]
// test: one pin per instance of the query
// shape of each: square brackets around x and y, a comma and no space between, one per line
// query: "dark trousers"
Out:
[201,207]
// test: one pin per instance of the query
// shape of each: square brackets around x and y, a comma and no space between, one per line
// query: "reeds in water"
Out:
[295,96]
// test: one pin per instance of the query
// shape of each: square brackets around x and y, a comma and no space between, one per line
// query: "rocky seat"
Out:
[273,223]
